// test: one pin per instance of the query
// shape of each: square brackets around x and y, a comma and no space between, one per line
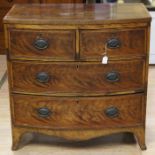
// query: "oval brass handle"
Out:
[41,44]
[42,77]
[112,112]
[113,76]
[44,112]
[113,43]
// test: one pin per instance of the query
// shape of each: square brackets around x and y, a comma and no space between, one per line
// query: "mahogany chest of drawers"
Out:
[60,82]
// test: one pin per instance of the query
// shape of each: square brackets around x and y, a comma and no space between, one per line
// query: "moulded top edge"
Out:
[68,14]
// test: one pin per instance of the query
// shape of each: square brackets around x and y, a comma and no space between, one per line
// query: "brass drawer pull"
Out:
[44,112]
[112,112]
[113,43]
[42,77]
[113,76]
[41,44]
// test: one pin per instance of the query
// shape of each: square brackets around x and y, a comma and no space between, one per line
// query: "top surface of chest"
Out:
[76,14]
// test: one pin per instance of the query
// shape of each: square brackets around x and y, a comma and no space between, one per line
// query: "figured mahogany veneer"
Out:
[92,43]
[58,85]
[78,113]
[77,78]
[58,44]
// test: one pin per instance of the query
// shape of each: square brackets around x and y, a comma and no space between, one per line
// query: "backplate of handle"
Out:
[113,76]
[42,77]
[41,44]
[44,112]
[113,43]
[112,112]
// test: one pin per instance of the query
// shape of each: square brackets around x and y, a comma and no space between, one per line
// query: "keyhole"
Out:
[77,67]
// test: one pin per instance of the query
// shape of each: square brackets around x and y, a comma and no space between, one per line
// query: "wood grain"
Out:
[71,14]
[77,113]
[80,78]
[42,144]
[132,43]
[74,90]
[61,44]
[78,135]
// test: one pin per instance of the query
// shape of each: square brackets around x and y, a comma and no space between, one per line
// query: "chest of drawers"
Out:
[58,84]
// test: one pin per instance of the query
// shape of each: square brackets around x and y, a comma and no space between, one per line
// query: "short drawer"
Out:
[119,43]
[74,113]
[33,44]
[77,78]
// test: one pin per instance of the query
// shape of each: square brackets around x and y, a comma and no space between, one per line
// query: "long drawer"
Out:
[77,113]
[73,78]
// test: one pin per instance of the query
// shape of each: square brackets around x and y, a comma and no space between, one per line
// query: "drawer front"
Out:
[70,113]
[117,76]
[119,44]
[42,44]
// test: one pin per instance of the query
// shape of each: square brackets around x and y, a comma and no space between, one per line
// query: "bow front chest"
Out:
[77,71]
